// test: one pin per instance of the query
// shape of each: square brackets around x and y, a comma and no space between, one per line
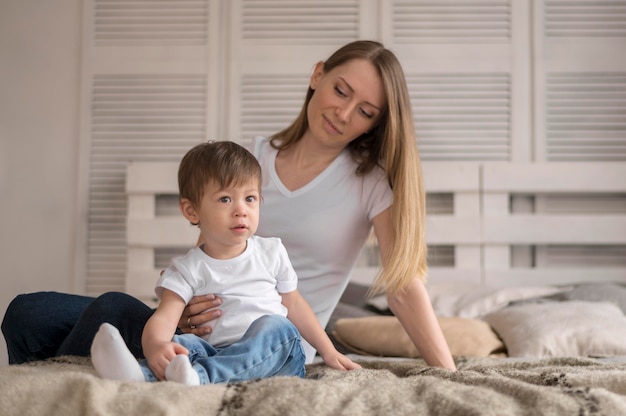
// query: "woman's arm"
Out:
[300,313]
[413,308]
[414,311]
[199,311]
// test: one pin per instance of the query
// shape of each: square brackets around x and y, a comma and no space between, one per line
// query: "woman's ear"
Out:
[189,212]
[318,71]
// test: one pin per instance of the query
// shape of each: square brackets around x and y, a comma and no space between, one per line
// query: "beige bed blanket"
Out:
[482,386]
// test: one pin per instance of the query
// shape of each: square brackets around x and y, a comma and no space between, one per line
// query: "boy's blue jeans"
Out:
[270,347]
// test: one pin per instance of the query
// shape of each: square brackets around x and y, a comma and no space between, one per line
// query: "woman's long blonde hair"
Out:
[392,145]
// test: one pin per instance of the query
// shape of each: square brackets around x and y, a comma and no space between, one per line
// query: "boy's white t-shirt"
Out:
[324,225]
[249,284]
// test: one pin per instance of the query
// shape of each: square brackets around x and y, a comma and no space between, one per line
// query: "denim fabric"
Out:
[41,325]
[270,347]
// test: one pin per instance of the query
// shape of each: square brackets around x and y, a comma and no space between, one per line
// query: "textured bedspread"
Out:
[482,386]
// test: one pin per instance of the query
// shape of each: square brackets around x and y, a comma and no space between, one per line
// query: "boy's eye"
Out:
[250,198]
[225,199]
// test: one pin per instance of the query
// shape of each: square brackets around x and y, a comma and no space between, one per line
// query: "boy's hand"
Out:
[160,357]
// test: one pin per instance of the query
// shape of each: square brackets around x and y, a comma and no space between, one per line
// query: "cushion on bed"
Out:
[561,329]
[385,336]
[478,301]
[474,301]
[597,292]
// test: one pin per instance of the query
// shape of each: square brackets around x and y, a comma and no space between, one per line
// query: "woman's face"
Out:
[348,101]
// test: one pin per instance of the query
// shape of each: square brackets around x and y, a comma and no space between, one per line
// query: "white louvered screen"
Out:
[586,116]
[149,94]
[275,45]
[150,22]
[141,118]
[490,80]
[451,21]
[580,80]
[580,111]
[466,92]
[288,21]
[462,116]
[585,18]
[269,103]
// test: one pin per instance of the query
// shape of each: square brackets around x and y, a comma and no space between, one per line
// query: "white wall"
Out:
[39,104]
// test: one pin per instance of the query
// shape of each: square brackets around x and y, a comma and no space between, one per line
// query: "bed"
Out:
[528,282]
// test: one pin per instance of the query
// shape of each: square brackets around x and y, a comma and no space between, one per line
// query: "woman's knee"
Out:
[35,324]
[115,305]
[17,312]
[32,310]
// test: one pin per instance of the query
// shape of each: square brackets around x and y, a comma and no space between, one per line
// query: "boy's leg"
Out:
[111,358]
[270,347]
[124,312]
[199,350]
[36,324]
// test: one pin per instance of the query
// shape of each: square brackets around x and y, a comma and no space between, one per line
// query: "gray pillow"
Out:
[561,329]
[597,292]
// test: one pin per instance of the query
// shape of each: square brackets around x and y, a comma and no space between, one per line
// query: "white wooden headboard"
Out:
[501,224]
[570,222]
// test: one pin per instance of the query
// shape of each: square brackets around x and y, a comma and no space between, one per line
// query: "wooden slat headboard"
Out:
[569,206]
[500,213]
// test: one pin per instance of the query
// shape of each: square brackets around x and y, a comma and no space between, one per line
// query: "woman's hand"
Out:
[200,311]
[339,361]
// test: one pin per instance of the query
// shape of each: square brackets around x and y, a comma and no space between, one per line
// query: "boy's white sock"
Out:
[111,357]
[181,371]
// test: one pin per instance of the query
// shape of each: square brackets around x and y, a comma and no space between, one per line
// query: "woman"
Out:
[348,162]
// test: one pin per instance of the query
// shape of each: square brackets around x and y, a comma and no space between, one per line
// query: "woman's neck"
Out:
[302,162]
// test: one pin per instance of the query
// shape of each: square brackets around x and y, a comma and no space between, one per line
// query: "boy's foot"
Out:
[111,357]
[181,371]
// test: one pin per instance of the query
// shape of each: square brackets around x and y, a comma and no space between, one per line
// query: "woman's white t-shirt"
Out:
[324,225]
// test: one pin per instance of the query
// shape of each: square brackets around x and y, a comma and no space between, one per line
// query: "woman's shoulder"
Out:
[376,177]
[259,145]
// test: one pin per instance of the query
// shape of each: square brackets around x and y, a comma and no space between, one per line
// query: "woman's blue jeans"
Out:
[270,347]
[41,325]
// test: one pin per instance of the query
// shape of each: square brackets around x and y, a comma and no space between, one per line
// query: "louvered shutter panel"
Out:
[467,88]
[580,110]
[275,45]
[468,91]
[149,75]
[581,80]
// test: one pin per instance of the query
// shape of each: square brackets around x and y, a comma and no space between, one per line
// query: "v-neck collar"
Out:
[319,178]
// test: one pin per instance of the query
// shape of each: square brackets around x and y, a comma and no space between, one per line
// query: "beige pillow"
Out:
[561,329]
[385,336]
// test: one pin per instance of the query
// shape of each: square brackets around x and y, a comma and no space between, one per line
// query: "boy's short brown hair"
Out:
[224,162]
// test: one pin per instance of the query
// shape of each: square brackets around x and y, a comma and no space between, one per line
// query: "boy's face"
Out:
[226,217]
